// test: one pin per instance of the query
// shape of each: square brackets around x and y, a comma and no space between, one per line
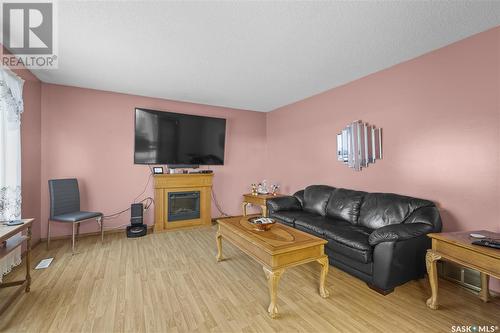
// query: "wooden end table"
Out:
[257,199]
[10,235]
[457,247]
[279,248]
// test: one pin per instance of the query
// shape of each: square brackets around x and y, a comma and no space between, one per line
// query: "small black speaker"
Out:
[136,228]
[136,213]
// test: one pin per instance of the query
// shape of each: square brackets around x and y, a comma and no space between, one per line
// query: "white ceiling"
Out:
[249,55]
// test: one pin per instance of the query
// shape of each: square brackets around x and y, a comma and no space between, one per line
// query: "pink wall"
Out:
[440,117]
[88,134]
[31,151]
[30,148]
[440,114]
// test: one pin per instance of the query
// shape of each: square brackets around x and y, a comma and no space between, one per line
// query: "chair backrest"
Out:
[64,196]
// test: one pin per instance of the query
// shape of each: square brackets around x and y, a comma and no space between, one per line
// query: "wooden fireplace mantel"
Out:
[168,183]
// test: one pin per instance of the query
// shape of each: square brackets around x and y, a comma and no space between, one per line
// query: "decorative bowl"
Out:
[262,223]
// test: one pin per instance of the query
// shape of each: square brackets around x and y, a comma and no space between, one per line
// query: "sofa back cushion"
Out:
[381,209]
[345,205]
[316,197]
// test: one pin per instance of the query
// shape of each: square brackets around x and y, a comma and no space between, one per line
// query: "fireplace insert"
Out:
[183,206]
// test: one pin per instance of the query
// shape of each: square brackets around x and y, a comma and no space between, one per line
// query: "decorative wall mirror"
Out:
[359,144]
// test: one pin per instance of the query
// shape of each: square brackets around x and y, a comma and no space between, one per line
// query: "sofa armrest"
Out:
[427,215]
[395,263]
[283,203]
[399,232]
[300,196]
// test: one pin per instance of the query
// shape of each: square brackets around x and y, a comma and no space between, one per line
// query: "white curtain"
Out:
[11,107]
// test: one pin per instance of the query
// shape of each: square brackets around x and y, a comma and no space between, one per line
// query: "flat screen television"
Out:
[178,139]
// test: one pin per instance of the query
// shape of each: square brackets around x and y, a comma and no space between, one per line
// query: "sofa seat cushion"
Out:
[317,224]
[344,262]
[289,217]
[312,224]
[350,241]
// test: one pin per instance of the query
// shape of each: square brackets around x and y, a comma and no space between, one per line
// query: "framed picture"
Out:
[158,170]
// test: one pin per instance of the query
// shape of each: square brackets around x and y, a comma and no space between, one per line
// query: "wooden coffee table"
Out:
[457,247]
[279,248]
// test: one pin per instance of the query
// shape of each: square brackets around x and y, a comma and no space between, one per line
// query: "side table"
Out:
[257,199]
[10,234]
[457,247]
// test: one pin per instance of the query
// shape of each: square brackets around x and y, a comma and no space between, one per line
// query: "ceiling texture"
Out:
[249,55]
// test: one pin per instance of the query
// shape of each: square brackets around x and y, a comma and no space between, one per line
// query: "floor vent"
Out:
[466,277]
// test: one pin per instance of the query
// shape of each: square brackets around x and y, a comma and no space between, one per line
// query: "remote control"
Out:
[488,243]
[13,222]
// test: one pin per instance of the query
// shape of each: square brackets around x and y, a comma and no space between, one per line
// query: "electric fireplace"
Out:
[183,206]
[182,200]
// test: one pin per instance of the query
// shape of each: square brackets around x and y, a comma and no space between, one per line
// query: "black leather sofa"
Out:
[377,237]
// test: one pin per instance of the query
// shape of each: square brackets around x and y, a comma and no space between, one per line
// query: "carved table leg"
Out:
[28,260]
[484,294]
[273,278]
[218,239]
[264,210]
[430,261]
[244,208]
[324,272]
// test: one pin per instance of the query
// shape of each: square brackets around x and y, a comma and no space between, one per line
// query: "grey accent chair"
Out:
[65,207]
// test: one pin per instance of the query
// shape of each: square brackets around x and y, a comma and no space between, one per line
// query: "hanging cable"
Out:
[145,187]
[149,201]
[217,204]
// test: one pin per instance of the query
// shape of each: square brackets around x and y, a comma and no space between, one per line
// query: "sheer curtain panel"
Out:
[11,108]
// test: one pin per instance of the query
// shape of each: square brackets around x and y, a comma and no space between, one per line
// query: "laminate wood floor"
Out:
[171,282]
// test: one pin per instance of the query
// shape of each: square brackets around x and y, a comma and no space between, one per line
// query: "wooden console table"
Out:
[257,199]
[457,247]
[10,235]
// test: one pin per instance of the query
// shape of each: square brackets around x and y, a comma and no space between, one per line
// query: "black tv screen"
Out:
[178,139]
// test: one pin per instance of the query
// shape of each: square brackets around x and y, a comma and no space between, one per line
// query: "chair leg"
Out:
[73,240]
[48,234]
[77,230]
[100,220]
